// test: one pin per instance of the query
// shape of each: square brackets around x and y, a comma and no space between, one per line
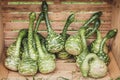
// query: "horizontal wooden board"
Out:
[8,42]
[57,26]
[58,16]
[61,0]
[13,34]
[57,7]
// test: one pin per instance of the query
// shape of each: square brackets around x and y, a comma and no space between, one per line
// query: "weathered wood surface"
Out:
[1,34]
[116,24]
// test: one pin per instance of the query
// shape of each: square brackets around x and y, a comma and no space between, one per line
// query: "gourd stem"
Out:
[67,24]
[47,22]
[83,39]
[92,18]
[99,37]
[95,27]
[30,35]
[21,35]
[40,18]
[101,50]
[18,44]
[39,46]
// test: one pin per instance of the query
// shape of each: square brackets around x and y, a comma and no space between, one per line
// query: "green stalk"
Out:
[96,26]
[70,19]
[39,46]
[32,52]
[45,11]
[40,18]
[21,35]
[92,18]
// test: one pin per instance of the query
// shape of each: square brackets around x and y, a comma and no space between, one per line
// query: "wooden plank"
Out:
[115,24]
[61,0]
[13,34]
[1,34]
[3,71]
[113,67]
[10,26]
[8,42]
[57,7]
[58,16]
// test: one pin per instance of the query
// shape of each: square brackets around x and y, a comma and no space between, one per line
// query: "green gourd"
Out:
[54,41]
[63,54]
[80,58]
[27,66]
[12,61]
[46,62]
[93,66]
[32,51]
[101,54]
[73,43]
[94,46]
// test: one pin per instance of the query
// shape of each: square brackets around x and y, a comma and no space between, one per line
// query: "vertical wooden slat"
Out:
[116,24]
[1,33]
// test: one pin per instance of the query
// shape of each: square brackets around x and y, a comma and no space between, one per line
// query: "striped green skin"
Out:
[12,61]
[54,41]
[64,54]
[46,61]
[73,44]
[101,54]
[32,51]
[93,66]
[94,46]
[84,53]
[27,66]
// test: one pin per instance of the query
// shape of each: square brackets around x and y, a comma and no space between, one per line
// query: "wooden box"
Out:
[14,16]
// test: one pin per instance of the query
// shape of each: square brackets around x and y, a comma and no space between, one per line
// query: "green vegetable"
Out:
[94,67]
[101,54]
[32,51]
[84,48]
[27,66]
[94,46]
[73,44]
[40,18]
[54,41]
[63,54]
[46,61]
[12,61]
[92,18]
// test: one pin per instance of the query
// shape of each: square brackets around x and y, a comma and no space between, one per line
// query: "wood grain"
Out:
[113,67]
[61,0]
[57,26]
[57,7]
[115,24]
[1,34]
[56,16]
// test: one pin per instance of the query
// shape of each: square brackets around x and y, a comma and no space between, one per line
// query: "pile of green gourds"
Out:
[31,52]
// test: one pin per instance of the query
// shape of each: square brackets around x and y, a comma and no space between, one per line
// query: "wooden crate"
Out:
[14,16]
